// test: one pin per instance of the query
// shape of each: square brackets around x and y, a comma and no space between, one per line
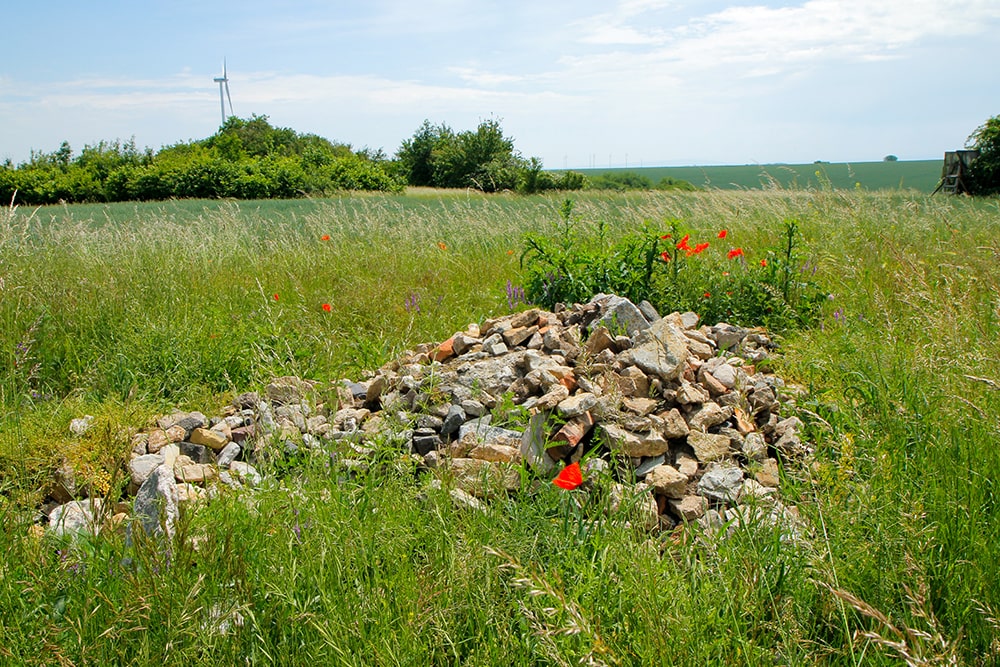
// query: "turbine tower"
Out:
[224,81]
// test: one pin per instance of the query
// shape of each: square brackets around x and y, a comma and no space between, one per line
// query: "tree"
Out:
[415,155]
[484,159]
[890,158]
[984,173]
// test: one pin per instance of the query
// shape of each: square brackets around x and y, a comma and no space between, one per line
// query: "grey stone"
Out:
[727,336]
[192,420]
[707,415]
[141,467]
[245,473]
[197,453]
[619,315]
[77,517]
[754,446]
[453,421]
[430,422]
[473,408]
[533,444]
[576,405]
[726,375]
[648,464]
[660,350]
[721,483]
[481,430]
[155,504]
[424,443]
[228,455]
[648,311]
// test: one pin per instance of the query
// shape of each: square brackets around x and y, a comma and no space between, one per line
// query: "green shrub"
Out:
[985,170]
[674,272]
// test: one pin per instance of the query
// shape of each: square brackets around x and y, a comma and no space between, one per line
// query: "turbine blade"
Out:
[223,68]
[230,99]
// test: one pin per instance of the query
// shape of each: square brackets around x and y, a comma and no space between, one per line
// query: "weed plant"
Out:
[897,562]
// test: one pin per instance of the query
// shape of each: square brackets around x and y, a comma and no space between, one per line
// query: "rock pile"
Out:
[684,420]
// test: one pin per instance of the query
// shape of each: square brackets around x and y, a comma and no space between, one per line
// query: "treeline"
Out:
[251,159]
[245,159]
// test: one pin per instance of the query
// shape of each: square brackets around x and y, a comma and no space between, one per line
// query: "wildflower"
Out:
[725,274]
[723,233]
[665,237]
[708,295]
[442,245]
[326,307]
[275,296]
[763,263]
[325,237]
[510,252]
[700,247]
[665,256]
[683,243]
[569,478]
[734,253]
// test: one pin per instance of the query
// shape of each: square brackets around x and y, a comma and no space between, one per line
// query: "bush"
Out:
[984,173]
[620,181]
[673,272]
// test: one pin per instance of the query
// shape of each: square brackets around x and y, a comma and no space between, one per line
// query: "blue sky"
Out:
[650,82]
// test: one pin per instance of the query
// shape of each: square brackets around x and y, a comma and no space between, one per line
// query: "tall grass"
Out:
[124,310]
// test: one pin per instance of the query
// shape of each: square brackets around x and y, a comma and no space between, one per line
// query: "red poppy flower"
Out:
[734,253]
[569,478]
[325,237]
[701,246]
[722,234]
[442,245]
[665,237]
[326,307]
[275,297]
[708,295]
[763,262]
[683,243]
[665,256]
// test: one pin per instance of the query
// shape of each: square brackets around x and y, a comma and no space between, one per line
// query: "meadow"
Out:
[920,175]
[126,311]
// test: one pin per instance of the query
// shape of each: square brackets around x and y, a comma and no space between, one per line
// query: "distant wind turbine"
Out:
[224,81]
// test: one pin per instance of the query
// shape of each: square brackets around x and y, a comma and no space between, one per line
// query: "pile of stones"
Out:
[683,421]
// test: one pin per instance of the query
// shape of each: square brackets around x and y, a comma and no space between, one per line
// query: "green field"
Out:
[920,175]
[127,311]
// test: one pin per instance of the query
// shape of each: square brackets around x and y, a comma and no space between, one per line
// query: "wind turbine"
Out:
[224,81]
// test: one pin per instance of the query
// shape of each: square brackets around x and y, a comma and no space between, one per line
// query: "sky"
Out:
[577,84]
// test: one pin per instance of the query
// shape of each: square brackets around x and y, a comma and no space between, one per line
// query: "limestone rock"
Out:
[668,481]
[77,517]
[721,483]
[141,467]
[660,350]
[708,446]
[155,504]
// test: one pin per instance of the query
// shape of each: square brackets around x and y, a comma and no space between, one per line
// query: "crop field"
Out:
[920,175]
[128,311]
